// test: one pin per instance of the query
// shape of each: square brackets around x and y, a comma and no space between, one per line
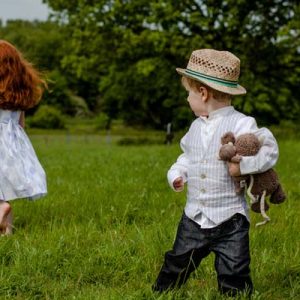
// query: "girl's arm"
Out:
[22,119]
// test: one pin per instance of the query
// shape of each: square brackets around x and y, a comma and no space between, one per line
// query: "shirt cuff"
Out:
[248,165]
[172,175]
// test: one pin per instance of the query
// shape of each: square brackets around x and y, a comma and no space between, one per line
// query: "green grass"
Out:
[88,126]
[102,231]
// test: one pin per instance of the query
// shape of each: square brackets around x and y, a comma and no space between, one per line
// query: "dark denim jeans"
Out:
[230,243]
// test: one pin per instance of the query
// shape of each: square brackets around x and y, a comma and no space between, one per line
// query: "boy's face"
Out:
[198,106]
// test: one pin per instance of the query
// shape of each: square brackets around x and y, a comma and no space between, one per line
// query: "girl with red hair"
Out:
[21,175]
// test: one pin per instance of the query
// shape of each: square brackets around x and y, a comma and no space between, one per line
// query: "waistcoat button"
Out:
[202,190]
[203,176]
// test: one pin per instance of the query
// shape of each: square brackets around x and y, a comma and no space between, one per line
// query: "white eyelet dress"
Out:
[21,174]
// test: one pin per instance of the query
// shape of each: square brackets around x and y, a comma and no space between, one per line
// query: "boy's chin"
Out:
[201,114]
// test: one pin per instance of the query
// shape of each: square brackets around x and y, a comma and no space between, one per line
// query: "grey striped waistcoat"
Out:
[210,188]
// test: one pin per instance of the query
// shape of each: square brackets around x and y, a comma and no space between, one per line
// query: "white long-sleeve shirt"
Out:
[211,197]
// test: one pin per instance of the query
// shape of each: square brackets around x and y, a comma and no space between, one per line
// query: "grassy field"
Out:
[102,231]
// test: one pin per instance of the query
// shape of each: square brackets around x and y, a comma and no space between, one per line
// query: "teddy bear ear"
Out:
[227,137]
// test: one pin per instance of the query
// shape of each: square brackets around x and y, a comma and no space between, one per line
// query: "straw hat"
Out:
[219,70]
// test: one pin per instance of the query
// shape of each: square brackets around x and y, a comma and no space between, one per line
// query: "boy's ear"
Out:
[204,93]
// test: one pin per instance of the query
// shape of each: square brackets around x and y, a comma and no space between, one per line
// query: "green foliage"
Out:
[183,116]
[287,129]
[57,93]
[77,106]
[60,96]
[134,47]
[120,56]
[41,42]
[102,121]
[149,104]
[47,117]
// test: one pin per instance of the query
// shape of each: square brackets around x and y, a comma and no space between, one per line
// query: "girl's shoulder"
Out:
[6,115]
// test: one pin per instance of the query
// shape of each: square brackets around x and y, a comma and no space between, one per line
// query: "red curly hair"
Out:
[21,85]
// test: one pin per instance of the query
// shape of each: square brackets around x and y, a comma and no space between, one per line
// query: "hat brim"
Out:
[238,90]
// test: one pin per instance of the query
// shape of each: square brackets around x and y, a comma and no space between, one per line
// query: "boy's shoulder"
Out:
[194,123]
[243,117]
[194,127]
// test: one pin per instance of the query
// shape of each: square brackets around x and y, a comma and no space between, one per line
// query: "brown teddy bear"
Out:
[258,185]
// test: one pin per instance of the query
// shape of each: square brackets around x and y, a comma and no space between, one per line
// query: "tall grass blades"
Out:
[102,231]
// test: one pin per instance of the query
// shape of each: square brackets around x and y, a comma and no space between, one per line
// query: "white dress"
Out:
[21,174]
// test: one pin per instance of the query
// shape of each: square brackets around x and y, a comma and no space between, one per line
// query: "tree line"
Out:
[119,56]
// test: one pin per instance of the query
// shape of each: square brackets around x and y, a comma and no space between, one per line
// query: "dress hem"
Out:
[30,198]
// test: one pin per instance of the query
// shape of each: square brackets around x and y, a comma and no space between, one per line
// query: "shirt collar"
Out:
[221,112]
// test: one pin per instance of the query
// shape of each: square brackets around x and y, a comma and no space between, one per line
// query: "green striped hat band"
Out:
[224,82]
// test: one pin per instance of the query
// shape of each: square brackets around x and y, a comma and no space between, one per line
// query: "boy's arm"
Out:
[268,154]
[180,167]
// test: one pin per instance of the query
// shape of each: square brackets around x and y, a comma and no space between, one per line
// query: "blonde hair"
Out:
[194,85]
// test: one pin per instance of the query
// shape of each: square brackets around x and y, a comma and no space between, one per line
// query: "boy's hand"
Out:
[234,169]
[178,184]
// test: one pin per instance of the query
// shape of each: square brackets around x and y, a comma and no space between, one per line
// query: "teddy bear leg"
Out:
[256,206]
[262,210]
[278,196]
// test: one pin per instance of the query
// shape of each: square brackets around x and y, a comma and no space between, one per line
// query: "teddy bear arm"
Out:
[236,159]
[227,152]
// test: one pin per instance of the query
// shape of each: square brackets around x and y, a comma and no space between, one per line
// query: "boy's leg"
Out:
[233,256]
[184,258]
